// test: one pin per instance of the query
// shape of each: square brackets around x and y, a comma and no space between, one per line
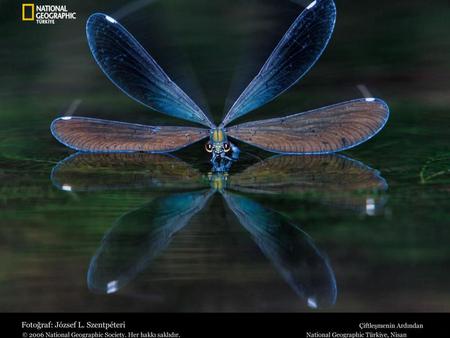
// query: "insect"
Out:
[139,236]
[131,68]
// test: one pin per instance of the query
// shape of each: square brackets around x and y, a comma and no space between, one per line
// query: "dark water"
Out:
[366,232]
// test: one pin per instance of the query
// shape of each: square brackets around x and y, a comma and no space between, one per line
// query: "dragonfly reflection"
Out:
[141,235]
[131,68]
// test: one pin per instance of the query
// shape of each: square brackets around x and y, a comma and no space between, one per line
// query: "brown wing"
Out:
[325,130]
[113,171]
[95,135]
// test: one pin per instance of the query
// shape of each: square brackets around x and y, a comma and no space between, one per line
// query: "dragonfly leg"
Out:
[225,157]
[213,158]
[235,152]
[222,162]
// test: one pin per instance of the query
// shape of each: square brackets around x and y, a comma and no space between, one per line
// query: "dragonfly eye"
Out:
[226,147]
[209,147]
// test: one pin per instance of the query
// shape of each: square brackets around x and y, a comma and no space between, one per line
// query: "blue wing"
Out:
[292,251]
[294,55]
[140,236]
[128,65]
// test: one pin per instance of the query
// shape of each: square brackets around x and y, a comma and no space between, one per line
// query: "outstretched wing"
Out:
[320,131]
[128,65]
[294,55]
[96,135]
[291,251]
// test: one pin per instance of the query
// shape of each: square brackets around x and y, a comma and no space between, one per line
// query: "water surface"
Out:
[383,245]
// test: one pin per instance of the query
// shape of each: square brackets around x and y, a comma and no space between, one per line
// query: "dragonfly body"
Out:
[131,68]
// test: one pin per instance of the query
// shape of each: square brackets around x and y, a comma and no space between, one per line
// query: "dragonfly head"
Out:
[218,142]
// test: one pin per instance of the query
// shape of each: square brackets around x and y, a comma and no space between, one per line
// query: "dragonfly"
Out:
[133,70]
[141,235]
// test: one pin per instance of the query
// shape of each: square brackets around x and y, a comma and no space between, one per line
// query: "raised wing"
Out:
[320,131]
[96,135]
[294,55]
[291,251]
[117,171]
[128,65]
[140,236]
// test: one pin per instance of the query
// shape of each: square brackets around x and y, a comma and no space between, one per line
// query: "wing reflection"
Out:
[291,251]
[116,171]
[333,179]
[138,237]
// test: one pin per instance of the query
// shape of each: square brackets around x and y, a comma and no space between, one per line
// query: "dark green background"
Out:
[396,261]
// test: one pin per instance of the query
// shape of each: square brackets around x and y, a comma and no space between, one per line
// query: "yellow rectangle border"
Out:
[24,18]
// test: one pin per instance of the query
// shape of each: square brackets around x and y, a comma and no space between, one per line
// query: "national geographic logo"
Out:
[27,12]
[46,14]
